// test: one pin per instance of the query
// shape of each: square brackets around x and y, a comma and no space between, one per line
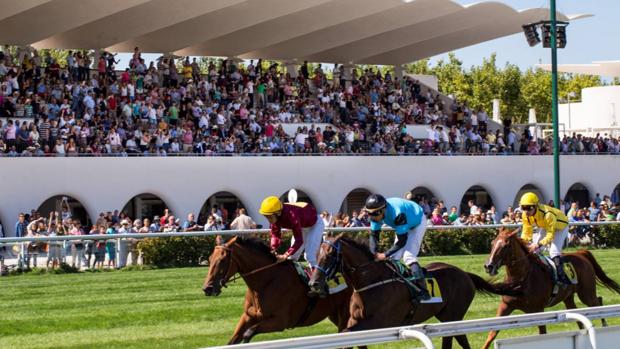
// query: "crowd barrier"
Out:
[22,242]
[424,332]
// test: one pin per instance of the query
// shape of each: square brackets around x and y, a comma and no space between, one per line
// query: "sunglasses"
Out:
[527,207]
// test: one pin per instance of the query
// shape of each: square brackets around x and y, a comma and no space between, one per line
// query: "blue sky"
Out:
[591,39]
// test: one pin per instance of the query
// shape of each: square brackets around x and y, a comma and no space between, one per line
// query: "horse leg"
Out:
[446,343]
[569,302]
[600,303]
[463,342]
[542,329]
[244,324]
[503,310]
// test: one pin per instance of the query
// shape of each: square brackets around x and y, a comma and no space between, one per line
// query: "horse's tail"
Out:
[601,277]
[500,288]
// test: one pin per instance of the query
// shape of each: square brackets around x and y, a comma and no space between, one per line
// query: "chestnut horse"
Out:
[525,271]
[276,298]
[381,298]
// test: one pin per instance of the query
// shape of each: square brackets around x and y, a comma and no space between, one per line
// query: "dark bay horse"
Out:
[525,271]
[381,301]
[276,298]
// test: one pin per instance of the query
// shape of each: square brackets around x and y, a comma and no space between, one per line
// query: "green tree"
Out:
[420,67]
[452,78]
[486,84]
[577,82]
[512,104]
[536,93]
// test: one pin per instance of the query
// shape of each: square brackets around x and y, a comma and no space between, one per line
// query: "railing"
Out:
[254,231]
[425,332]
[141,154]
[23,254]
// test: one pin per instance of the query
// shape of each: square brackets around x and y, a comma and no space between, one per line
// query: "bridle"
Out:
[332,268]
[237,276]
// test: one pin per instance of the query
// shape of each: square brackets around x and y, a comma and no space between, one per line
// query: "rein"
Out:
[332,268]
[239,275]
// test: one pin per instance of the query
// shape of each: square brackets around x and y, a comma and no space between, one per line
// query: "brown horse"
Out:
[381,299]
[525,271]
[276,298]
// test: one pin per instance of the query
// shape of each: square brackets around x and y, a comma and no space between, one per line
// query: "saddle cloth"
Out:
[432,286]
[569,270]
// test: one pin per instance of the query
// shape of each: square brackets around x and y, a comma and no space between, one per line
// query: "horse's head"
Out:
[339,253]
[501,248]
[328,263]
[221,269]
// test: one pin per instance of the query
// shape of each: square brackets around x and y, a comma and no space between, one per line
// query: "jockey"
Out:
[551,223]
[407,218]
[302,219]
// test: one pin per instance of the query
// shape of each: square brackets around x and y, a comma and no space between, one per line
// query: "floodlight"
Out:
[531,34]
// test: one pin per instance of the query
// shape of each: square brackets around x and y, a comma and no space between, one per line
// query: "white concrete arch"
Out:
[136,21]
[56,16]
[288,27]
[214,24]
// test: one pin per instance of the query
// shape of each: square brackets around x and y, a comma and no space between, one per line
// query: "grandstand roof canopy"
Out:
[603,68]
[339,31]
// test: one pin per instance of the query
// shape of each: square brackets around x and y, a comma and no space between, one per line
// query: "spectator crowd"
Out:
[175,107]
[93,253]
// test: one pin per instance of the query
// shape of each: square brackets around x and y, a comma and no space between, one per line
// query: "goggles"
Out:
[527,207]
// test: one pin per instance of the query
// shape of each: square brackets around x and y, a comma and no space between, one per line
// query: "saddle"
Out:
[402,270]
[569,271]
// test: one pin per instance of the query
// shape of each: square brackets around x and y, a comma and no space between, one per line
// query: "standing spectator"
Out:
[243,221]
[110,245]
[473,209]
[123,249]
[77,246]
[54,247]
[190,224]
[100,249]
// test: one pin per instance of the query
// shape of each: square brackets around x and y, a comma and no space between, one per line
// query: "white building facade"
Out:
[184,183]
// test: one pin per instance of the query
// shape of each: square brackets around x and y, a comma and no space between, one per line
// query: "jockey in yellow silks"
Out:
[552,227]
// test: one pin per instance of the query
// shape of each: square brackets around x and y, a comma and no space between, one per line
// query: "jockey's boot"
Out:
[562,278]
[419,281]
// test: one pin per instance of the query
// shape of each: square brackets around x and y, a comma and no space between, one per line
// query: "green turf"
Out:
[167,309]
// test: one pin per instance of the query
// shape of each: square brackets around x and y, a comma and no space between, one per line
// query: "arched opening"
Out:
[354,201]
[224,204]
[615,195]
[526,189]
[145,206]
[66,207]
[301,197]
[578,193]
[420,195]
[478,196]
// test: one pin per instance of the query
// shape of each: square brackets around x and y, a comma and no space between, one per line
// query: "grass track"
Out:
[167,309]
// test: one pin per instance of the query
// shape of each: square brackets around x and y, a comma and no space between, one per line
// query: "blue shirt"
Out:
[400,214]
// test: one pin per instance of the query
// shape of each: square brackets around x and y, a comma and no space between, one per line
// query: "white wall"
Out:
[184,183]
[599,108]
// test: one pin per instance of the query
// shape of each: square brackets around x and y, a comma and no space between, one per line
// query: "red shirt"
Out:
[295,217]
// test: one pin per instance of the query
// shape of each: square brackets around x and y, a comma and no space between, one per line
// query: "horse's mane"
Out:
[256,244]
[361,245]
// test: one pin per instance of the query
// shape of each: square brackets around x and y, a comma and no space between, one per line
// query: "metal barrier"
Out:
[120,237]
[425,332]
[254,231]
